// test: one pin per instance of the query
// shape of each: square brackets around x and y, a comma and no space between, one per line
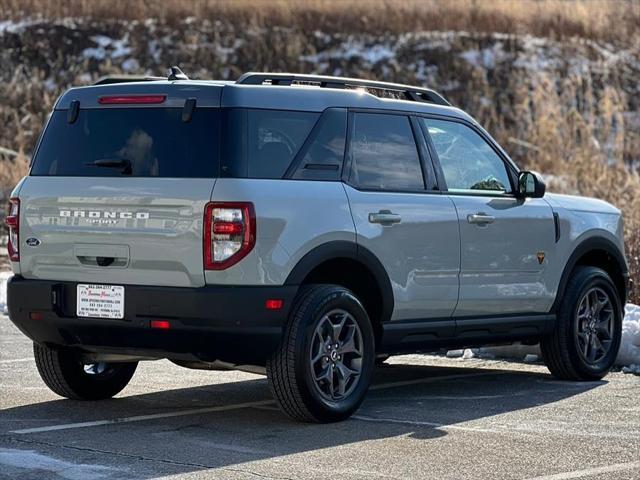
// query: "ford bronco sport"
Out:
[306,224]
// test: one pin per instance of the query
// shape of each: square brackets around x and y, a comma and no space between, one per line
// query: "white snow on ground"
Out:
[4,276]
[29,459]
[628,357]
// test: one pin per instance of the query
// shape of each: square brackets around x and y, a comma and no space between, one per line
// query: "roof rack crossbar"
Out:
[125,79]
[416,94]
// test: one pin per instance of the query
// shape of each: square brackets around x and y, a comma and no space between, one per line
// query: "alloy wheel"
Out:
[336,355]
[595,325]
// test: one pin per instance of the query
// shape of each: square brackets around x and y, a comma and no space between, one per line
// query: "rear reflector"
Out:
[127,99]
[274,304]
[37,316]
[160,324]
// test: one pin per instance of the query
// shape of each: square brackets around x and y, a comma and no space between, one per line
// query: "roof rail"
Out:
[126,79]
[416,94]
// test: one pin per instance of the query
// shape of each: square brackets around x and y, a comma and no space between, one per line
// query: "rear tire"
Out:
[66,375]
[322,369]
[588,330]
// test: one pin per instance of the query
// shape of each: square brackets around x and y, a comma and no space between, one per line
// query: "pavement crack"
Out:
[140,457]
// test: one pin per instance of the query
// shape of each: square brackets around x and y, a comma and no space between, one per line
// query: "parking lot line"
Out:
[262,403]
[18,360]
[588,472]
[140,418]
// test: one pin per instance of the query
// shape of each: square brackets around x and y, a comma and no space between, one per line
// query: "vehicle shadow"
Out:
[421,402]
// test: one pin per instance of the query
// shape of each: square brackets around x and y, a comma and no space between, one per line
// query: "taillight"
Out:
[13,222]
[127,99]
[229,233]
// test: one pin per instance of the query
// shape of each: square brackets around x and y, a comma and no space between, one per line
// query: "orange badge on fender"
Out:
[540,256]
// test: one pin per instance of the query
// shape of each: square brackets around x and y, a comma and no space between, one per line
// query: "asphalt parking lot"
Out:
[426,417]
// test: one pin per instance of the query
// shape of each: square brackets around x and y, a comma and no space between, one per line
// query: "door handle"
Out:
[384,217]
[480,218]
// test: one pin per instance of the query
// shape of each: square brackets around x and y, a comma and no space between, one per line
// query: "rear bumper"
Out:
[208,323]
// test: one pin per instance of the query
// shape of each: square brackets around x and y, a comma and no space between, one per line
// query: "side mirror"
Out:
[530,184]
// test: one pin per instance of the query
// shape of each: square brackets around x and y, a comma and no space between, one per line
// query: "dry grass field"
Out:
[557,82]
[610,20]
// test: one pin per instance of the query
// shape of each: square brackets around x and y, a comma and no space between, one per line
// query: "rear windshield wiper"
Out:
[123,163]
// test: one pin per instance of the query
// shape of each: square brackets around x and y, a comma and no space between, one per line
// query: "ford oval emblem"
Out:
[32,242]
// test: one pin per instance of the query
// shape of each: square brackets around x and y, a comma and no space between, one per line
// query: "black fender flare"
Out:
[586,246]
[344,249]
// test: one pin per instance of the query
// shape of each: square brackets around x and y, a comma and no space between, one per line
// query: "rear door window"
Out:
[138,142]
[263,143]
[384,154]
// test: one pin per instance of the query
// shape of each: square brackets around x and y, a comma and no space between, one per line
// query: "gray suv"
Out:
[313,225]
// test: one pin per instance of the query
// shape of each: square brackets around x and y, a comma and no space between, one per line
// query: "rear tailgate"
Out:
[149,229]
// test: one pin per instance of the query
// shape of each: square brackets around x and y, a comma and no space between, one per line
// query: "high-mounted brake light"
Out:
[229,233]
[127,99]
[13,222]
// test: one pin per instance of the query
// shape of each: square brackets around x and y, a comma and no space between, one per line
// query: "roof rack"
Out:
[126,79]
[416,94]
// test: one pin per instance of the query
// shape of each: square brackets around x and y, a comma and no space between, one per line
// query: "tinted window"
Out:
[468,161]
[322,156]
[141,142]
[262,143]
[384,153]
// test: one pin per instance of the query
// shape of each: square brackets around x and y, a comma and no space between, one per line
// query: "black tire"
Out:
[65,375]
[562,350]
[291,368]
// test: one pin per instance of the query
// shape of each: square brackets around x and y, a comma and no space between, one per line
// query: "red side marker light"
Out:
[160,324]
[274,304]
[127,99]
[37,316]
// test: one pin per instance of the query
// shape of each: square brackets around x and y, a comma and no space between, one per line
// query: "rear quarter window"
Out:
[155,142]
[262,143]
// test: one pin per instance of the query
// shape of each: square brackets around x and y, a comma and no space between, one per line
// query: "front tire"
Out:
[66,375]
[322,369]
[588,330]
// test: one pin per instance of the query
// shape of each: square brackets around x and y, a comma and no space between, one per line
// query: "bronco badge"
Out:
[540,256]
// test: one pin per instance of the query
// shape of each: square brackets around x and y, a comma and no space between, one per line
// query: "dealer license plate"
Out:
[100,301]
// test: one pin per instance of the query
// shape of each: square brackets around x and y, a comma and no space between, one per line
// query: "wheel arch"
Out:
[597,252]
[354,267]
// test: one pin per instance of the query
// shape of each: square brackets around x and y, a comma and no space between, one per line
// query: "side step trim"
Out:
[432,334]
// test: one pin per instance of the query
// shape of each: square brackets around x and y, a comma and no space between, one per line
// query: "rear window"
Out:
[139,142]
[262,143]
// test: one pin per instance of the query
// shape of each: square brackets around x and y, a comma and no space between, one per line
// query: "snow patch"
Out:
[10,26]
[130,65]
[4,276]
[107,47]
[485,58]
[33,460]
[630,348]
